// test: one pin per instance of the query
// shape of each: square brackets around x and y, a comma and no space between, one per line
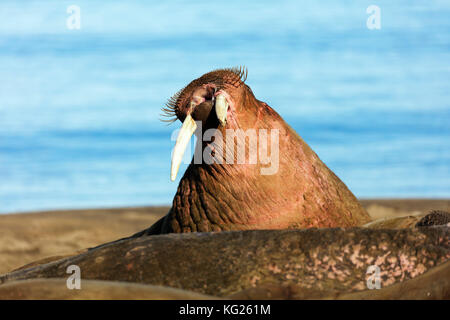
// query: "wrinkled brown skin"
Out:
[303,193]
[435,217]
[316,263]
[434,284]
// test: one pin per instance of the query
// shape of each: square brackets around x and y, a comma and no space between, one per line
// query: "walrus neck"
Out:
[211,198]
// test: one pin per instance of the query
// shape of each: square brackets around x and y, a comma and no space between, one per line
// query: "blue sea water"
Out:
[79,109]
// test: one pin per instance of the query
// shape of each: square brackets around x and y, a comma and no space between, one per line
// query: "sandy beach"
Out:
[28,237]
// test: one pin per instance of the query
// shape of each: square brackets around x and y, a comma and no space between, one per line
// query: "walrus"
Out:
[300,264]
[225,193]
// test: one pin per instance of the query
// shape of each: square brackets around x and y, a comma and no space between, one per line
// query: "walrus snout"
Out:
[201,103]
[202,112]
[204,99]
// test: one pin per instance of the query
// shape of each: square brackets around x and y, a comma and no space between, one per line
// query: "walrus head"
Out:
[226,190]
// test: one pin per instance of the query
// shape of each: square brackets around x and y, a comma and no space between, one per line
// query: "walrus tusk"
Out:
[221,109]
[185,134]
